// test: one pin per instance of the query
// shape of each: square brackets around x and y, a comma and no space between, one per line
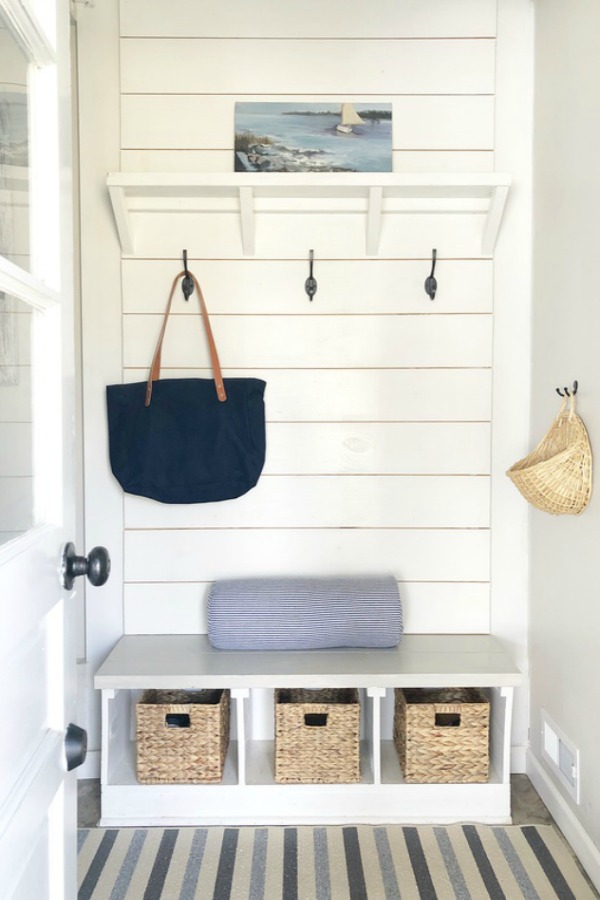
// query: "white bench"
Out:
[248,793]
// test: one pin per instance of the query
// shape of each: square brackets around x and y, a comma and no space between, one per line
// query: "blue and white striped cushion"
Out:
[304,613]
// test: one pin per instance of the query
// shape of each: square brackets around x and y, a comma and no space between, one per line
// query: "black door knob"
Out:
[96,566]
[75,746]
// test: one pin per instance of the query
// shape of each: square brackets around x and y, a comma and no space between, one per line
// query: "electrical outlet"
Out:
[566,763]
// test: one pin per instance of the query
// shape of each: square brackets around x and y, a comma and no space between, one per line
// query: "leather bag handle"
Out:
[214,356]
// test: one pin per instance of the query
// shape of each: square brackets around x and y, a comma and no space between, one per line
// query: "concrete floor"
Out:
[527,808]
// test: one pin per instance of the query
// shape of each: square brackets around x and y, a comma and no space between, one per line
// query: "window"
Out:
[30,271]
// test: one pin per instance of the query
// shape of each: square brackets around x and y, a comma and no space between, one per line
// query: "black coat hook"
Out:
[187,285]
[574,390]
[430,282]
[310,285]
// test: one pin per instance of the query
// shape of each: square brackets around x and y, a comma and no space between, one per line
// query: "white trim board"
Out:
[580,841]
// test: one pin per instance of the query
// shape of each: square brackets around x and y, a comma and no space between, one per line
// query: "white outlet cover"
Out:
[551,743]
[554,740]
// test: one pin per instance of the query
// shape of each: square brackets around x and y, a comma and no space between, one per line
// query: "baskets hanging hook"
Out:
[566,390]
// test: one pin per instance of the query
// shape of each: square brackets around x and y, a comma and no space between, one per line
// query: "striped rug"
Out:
[394,862]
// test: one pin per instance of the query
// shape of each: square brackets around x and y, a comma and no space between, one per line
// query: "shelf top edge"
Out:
[419,661]
[259,180]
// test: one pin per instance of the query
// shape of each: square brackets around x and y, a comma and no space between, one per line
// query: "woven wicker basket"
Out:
[556,476]
[317,736]
[182,736]
[442,735]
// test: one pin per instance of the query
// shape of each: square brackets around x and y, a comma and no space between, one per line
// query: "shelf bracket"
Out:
[247,220]
[374,220]
[122,217]
[494,218]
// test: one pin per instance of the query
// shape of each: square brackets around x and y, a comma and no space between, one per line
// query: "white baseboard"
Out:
[91,766]
[560,809]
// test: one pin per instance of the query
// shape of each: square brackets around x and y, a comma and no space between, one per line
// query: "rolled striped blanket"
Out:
[304,613]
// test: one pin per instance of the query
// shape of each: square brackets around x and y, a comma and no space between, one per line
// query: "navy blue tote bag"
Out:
[187,440]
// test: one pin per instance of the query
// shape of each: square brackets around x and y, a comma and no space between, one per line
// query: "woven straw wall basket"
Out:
[556,476]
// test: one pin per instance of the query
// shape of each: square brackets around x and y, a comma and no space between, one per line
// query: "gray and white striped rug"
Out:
[456,862]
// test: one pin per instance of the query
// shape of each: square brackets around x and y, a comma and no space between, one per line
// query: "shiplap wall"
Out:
[16,461]
[378,400]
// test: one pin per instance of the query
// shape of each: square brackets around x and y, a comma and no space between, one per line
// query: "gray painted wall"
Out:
[565,565]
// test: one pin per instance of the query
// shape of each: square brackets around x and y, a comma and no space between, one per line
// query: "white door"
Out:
[37,462]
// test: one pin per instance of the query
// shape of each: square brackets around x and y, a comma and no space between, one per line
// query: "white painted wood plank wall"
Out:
[378,400]
[411,56]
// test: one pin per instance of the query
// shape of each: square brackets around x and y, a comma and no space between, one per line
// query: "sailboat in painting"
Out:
[349,117]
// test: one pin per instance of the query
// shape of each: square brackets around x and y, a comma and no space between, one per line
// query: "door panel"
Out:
[37,656]
[36,660]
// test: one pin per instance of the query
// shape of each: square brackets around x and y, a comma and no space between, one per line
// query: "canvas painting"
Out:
[313,137]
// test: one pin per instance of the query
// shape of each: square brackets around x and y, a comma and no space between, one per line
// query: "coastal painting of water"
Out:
[313,137]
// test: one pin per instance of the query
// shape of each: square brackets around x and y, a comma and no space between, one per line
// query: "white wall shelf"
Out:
[248,793]
[373,194]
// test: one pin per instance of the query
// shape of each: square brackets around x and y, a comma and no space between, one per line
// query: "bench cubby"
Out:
[248,793]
